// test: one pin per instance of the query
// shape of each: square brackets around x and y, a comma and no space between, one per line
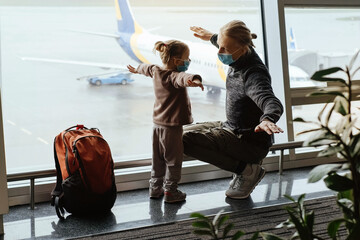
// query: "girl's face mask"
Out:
[184,67]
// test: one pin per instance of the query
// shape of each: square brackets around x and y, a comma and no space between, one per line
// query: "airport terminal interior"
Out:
[63,64]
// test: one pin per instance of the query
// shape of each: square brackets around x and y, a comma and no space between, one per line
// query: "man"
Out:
[241,142]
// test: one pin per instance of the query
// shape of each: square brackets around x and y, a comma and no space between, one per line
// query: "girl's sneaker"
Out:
[156,192]
[174,196]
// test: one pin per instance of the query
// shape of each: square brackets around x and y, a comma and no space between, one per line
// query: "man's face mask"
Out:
[227,58]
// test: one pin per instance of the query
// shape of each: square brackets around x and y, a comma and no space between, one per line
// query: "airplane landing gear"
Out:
[213,90]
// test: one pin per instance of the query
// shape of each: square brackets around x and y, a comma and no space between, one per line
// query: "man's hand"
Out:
[269,127]
[132,69]
[195,83]
[201,33]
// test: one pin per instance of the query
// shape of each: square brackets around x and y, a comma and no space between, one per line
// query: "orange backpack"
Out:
[85,172]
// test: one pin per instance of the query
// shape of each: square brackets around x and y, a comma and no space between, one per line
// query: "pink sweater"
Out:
[172,104]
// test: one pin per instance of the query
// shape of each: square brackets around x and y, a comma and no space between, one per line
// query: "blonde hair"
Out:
[169,49]
[240,32]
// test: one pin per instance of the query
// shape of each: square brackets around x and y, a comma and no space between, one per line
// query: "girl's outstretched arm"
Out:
[132,69]
[195,83]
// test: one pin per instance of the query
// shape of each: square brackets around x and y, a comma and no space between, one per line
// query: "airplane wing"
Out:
[92,64]
[96,33]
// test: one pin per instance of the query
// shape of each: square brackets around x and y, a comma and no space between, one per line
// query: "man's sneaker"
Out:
[156,192]
[232,182]
[243,184]
[174,196]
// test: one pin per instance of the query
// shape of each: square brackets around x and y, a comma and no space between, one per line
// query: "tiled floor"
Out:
[134,209]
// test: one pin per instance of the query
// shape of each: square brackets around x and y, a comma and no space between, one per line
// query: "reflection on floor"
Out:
[134,209]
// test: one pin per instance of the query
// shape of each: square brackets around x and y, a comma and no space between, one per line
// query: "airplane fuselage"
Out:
[203,56]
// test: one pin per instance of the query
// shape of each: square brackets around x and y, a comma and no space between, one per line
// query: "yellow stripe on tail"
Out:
[118,13]
[133,43]
[220,68]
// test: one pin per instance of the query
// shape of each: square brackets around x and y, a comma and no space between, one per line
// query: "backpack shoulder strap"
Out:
[57,193]
[58,188]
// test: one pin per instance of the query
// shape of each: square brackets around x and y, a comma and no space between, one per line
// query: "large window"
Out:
[318,38]
[47,54]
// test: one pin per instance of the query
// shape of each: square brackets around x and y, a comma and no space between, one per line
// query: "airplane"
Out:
[302,64]
[292,41]
[138,43]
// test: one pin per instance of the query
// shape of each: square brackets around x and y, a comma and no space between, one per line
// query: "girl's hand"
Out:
[132,69]
[195,83]
[201,33]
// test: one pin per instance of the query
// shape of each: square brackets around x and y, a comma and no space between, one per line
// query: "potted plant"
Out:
[336,129]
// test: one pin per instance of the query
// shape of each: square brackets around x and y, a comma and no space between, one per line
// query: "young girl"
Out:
[172,110]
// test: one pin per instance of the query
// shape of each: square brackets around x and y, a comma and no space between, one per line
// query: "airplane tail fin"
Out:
[124,16]
[292,40]
[128,30]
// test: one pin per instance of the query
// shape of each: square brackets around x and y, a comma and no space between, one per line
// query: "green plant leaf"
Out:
[322,142]
[319,138]
[346,206]
[270,236]
[237,235]
[346,135]
[320,171]
[222,221]
[355,145]
[319,75]
[353,74]
[326,93]
[354,232]
[322,112]
[333,227]
[341,105]
[342,124]
[290,198]
[203,232]
[302,230]
[227,229]
[330,151]
[255,236]
[301,208]
[217,217]
[345,198]
[353,59]
[309,219]
[301,200]
[201,224]
[198,215]
[285,224]
[345,166]
[290,209]
[310,130]
[298,119]
[338,183]
[295,236]
[330,112]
